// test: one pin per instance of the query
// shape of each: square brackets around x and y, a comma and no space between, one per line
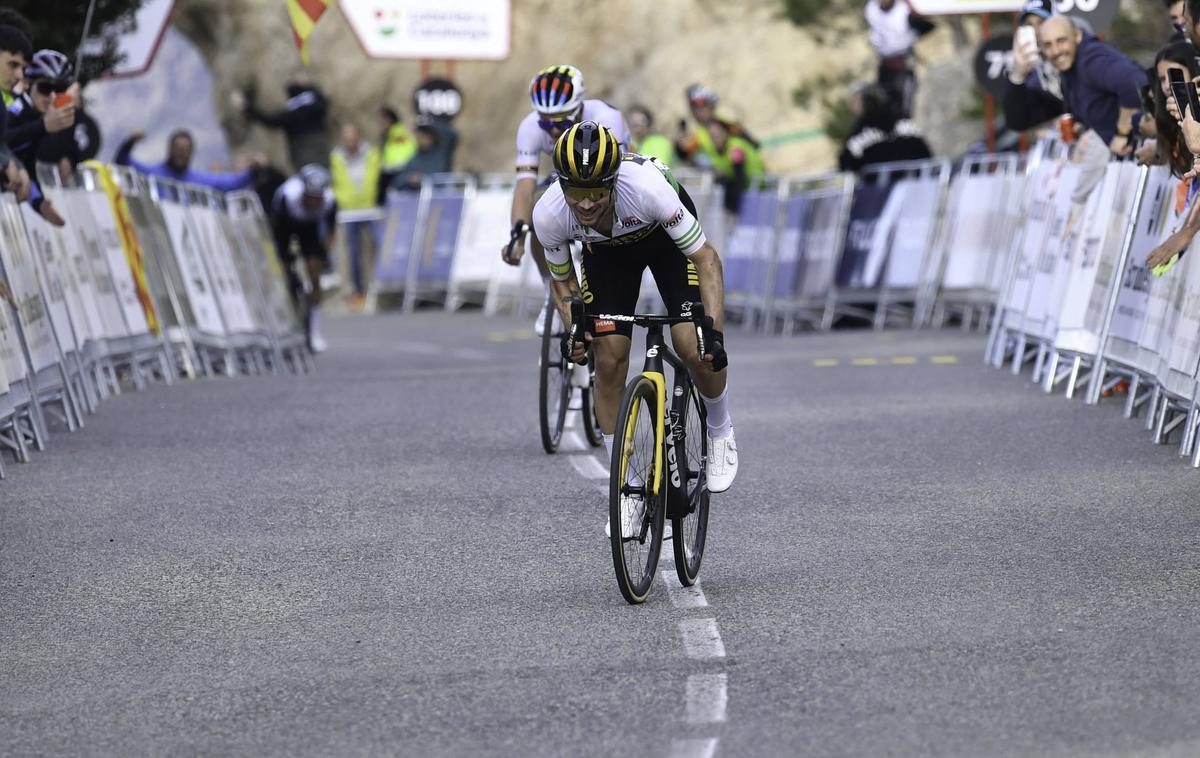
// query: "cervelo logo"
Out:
[652,352]
[673,464]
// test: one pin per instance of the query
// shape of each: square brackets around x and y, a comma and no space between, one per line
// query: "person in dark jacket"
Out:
[35,116]
[436,141]
[1099,86]
[880,135]
[302,121]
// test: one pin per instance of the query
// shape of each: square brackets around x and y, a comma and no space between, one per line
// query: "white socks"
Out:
[608,443]
[312,318]
[719,425]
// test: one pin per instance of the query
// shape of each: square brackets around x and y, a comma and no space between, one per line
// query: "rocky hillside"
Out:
[630,51]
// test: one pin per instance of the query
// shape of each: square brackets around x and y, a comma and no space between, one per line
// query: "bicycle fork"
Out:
[664,425]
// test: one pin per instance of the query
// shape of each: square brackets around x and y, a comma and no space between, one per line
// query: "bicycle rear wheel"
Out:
[635,513]
[587,409]
[554,387]
[689,529]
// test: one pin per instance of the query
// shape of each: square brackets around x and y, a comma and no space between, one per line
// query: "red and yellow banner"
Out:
[304,15]
[129,241]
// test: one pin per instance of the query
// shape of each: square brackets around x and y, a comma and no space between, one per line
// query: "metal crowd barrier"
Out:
[149,280]
[1079,307]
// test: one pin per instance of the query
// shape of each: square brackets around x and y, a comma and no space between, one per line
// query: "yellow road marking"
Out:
[865,362]
[903,360]
[944,359]
[825,362]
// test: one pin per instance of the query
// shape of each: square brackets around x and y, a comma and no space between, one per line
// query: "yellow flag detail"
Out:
[129,241]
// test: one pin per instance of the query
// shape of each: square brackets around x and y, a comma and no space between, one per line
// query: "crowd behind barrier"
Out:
[149,280]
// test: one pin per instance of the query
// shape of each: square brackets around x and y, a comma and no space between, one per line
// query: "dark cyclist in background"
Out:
[628,212]
[304,210]
[558,104]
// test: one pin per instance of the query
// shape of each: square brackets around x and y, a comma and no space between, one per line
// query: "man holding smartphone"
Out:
[46,107]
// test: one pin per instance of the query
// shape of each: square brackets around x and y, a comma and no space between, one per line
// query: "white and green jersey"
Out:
[645,198]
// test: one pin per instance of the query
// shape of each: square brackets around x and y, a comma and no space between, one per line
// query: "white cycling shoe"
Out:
[632,510]
[539,326]
[317,343]
[722,462]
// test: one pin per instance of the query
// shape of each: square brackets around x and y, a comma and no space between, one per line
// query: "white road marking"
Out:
[703,748]
[588,466]
[707,696]
[683,597]
[701,638]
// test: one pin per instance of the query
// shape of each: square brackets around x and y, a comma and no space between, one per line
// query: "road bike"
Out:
[658,462]
[558,382]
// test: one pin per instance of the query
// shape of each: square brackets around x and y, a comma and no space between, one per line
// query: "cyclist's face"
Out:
[591,206]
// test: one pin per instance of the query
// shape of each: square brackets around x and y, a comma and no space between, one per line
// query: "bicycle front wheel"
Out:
[635,513]
[689,527]
[554,387]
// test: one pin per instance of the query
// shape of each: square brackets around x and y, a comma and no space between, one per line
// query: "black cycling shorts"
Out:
[306,233]
[611,276]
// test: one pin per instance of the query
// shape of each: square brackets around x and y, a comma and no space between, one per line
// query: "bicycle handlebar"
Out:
[693,313]
[517,230]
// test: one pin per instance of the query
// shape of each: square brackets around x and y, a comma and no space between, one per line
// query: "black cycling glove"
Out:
[714,344]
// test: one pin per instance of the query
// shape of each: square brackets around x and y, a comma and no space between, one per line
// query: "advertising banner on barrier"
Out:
[12,358]
[1153,342]
[903,235]
[46,258]
[1133,297]
[227,285]
[33,315]
[91,264]
[1183,352]
[1038,212]
[186,247]
[478,256]
[1049,275]
[977,239]
[113,254]
[869,201]
[130,243]
[156,244]
[819,248]
[440,236]
[1089,281]
[787,248]
[391,270]
[748,248]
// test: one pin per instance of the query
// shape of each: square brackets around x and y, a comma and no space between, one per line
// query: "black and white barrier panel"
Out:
[148,280]
[1080,309]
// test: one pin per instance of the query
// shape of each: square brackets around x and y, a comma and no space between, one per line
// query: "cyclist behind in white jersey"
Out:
[628,212]
[304,210]
[558,104]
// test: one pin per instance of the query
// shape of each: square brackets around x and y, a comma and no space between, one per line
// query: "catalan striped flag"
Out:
[304,15]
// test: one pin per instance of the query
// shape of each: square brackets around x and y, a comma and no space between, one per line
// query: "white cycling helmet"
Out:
[315,179]
[558,89]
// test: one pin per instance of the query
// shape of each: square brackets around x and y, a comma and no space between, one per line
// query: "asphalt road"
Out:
[921,556]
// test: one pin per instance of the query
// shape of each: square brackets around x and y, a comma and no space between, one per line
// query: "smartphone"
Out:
[1193,99]
[1026,36]
[62,99]
[1178,88]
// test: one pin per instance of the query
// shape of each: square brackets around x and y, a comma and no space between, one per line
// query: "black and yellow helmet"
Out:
[587,155]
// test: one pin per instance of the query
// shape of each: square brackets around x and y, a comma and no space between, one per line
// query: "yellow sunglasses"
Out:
[577,194]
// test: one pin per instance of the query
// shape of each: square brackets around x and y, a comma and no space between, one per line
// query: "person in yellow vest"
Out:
[398,148]
[696,146]
[647,142]
[737,163]
[354,167]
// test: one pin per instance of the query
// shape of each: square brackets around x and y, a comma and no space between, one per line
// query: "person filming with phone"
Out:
[1099,85]
[46,108]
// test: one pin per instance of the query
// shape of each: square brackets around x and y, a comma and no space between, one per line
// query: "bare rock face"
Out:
[631,51]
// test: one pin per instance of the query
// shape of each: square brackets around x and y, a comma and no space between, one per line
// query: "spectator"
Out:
[13,176]
[1171,145]
[881,134]
[1027,57]
[34,116]
[47,78]
[15,52]
[1178,23]
[696,146]
[354,167]
[895,29]
[645,142]
[436,142]
[738,166]
[1191,21]
[177,166]
[399,146]
[302,120]
[1099,86]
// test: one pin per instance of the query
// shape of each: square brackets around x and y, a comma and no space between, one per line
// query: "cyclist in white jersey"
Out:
[628,212]
[558,104]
